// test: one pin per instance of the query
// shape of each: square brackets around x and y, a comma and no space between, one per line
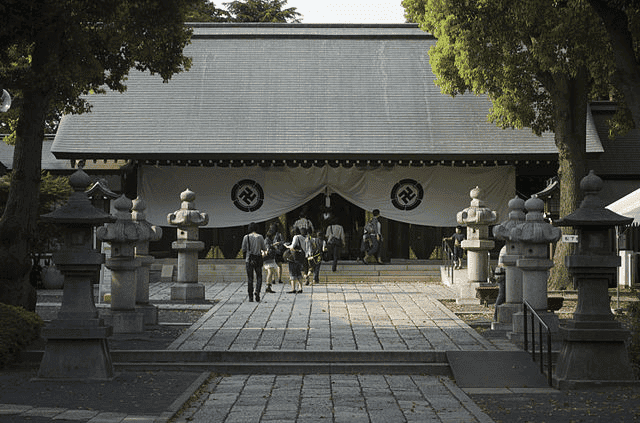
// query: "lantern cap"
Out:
[78,209]
[516,216]
[592,211]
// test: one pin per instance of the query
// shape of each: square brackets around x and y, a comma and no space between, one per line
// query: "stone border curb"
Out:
[177,404]
[466,401]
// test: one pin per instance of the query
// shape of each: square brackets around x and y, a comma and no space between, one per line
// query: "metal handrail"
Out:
[448,259]
[526,307]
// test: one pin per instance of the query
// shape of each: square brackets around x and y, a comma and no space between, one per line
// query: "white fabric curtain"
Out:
[232,196]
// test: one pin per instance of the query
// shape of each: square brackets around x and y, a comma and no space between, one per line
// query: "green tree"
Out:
[262,11]
[52,53]
[621,18]
[206,11]
[54,192]
[538,61]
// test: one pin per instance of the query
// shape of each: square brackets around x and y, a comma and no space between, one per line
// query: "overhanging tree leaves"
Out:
[621,19]
[206,11]
[53,52]
[538,61]
[262,11]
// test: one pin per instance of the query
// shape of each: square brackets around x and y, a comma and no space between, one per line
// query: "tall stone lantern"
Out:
[123,235]
[76,347]
[593,351]
[513,275]
[188,219]
[477,218]
[534,235]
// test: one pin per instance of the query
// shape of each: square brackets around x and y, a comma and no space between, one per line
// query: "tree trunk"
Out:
[570,101]
[627,74]
[18,222]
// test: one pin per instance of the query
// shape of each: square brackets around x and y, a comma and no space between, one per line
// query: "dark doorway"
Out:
[320,211]
[401,240]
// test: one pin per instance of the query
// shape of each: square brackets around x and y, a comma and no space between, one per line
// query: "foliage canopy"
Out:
[516,52]
[51,54]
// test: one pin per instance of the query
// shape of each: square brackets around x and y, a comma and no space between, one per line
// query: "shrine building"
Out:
[276,119]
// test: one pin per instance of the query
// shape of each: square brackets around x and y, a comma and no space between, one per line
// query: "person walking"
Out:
[316,247]
[252,246]
[303,222]
[278,243]
[269,257]
[335,242]
[298,265]
[371,244]
[457,239]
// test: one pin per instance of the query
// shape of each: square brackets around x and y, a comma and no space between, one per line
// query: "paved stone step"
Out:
[255,356]
[287,362]
[276,361]
[279,368]
[347,272]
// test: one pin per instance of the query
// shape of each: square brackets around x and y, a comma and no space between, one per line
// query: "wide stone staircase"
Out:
[233,270]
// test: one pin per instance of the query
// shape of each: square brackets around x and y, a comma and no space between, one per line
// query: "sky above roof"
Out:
[349,11]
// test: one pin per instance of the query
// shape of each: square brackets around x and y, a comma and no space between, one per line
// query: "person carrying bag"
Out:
[252,246]
[335,242]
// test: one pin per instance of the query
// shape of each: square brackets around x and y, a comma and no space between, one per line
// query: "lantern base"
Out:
[76,359]
[186,292]
[504,316]
[127,321]
[150,313]
[593,354]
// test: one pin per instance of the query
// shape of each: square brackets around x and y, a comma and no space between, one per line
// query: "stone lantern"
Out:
[123,235]
[151,233]
[187,219]
[534,235]
[513,275]
[101,197]
[76,347]
[593,351]
[477,218]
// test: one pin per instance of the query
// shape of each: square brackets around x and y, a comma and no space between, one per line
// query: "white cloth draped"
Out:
[445,191]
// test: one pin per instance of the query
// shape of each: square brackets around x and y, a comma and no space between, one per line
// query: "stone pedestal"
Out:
[152,233]
[187,287]
[513,275]
[149,311]
[513,300]
[477,218]
[478,259]
[76,347]
[504,316]
[534,236]
[123,235]
[125,317]
[593,351]
[187,219]
[76,341]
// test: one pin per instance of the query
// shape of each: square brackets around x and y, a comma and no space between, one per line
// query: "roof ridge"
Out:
[299,25]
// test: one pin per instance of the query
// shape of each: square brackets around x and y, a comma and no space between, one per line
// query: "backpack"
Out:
[316,251]
[316,246]
[372,226]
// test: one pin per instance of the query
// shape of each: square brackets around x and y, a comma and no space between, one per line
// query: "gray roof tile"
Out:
[298,91]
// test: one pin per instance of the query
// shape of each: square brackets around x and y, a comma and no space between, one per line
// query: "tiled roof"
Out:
[297,91]
[50,162]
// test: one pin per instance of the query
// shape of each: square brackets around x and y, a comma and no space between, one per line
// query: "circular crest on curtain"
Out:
[407,194]
[247,195]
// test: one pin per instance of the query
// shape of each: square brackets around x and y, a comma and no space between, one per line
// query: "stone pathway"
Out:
[332,398]
[365,317]
[386,316]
